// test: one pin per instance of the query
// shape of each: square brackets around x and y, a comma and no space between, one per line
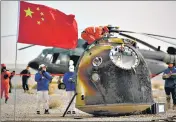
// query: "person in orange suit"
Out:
[90,34]
[5,82]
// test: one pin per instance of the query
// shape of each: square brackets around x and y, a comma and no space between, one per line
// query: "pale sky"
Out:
[157,17]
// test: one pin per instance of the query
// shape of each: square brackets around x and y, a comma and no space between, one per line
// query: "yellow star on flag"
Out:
[29,12]
[38,22]
[38,8]
[41,14]
[42,19]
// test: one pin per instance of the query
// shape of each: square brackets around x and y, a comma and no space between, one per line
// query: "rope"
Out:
[34,74]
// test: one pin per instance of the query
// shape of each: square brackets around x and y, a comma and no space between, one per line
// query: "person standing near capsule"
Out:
[170,84]
[68,80]
[5,74]
[43,79]
[25,77]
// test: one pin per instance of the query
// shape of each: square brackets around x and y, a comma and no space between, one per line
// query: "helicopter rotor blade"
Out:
[148,34]
[152,36]
[161,40]
[26,47]
[160,36]
[138,40]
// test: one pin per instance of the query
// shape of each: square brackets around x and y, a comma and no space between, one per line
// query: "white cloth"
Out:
[42,96]
[70,95]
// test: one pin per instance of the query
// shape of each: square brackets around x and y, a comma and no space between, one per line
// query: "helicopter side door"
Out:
[60,63]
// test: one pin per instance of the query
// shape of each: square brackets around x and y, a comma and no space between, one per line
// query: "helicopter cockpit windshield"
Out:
[52,58]
[42,56]
[48,57]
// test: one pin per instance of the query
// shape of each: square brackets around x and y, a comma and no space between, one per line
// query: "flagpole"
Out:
[18,16]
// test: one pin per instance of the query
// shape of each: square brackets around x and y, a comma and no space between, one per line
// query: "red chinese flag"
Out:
[42,25]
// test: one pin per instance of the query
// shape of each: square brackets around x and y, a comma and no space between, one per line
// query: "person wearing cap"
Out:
[4,82]
[43,78]
[68,80]
[170,84]
[25,76]
[90,34]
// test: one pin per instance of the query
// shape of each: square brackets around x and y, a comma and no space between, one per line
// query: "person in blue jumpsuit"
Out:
[68,80]
[170,84]
[43,78]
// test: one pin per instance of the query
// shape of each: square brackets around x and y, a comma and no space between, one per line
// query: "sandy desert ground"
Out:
[25,109]
[26,106]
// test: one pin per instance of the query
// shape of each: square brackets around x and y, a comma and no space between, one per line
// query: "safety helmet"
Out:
[42,65]
[3,65]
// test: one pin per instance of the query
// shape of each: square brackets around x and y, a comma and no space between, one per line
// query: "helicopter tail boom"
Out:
[160,56]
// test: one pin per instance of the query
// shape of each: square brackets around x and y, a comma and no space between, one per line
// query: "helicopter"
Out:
[57,59]
[112,76]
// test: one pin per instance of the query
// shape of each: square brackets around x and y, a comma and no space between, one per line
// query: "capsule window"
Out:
[97,61]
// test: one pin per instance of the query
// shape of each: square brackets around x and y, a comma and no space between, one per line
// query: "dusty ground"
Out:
[26,106]
[25,109]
